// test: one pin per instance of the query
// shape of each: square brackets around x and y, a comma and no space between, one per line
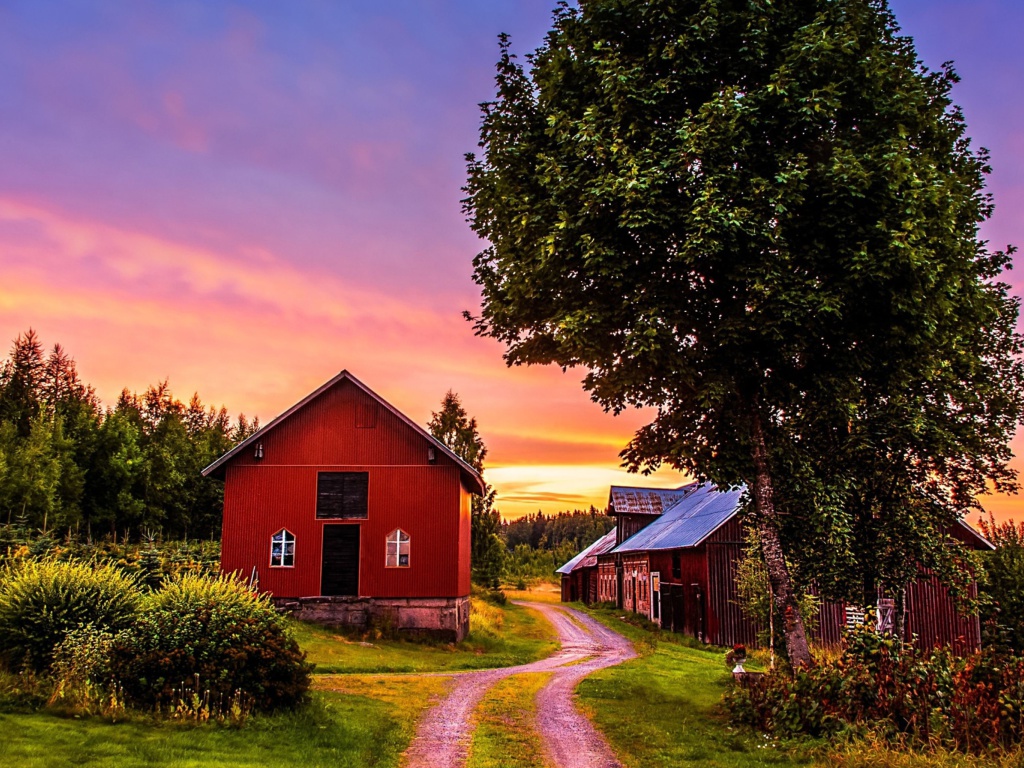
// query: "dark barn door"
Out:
[667,617]
[678,615]
[340,574]
[693,618]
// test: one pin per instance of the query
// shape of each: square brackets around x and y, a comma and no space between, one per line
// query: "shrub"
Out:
[925,699]
[81,672]
[215,637]
[42,600]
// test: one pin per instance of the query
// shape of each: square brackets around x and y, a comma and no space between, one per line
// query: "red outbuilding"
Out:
[347,512]
[673,557]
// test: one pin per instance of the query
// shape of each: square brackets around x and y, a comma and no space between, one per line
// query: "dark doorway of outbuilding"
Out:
[340,574]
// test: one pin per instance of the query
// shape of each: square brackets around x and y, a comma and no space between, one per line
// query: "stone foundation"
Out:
[446,618]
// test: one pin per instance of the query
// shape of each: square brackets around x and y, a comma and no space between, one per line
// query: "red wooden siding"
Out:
[637,588]
[627,525]
[332,433]
[932,616]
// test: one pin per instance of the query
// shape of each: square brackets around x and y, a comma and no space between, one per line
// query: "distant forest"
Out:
[574,530]
[538,544]
[69,467]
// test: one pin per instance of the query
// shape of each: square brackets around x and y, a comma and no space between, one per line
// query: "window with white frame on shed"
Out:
[282,549]
[398,549]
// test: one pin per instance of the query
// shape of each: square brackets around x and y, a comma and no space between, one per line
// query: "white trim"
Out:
[284,533]
[398,541]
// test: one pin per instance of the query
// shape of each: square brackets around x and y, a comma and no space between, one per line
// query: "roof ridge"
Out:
[344,375]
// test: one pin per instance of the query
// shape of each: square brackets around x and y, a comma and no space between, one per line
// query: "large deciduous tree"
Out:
[760,219]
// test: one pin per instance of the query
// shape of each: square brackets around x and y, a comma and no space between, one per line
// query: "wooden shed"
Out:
[347,512]
[579,575]
[680,571]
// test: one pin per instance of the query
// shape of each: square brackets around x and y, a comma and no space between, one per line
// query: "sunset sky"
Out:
[246,198]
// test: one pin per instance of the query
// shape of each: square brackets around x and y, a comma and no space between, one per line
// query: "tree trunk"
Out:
[899,614]
[771,547]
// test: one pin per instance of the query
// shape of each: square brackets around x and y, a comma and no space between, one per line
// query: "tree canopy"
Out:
[70,466]
[760,219]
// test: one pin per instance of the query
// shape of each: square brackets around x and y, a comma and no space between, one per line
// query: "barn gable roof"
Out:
[470,476]
[976,540]
[701,512]
[624,500]
[588,557]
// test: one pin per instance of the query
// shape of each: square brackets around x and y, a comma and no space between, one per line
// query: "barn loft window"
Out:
[342,495]
[366,416]
[282,549]
[398,549]
[677,566]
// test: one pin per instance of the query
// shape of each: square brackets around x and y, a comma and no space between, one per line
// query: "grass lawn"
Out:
[505,735]
[371,728]
[352,719]
[663,707]
[498,637]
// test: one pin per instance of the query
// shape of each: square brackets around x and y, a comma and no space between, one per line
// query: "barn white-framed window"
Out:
[282,549]
[397,549]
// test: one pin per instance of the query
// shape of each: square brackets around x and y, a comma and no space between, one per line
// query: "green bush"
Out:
[201,634]
[42,600]
[924,699]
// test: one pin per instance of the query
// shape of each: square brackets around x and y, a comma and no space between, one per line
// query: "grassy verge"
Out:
[500,636]
[871,754]
[662,708]
[505,735]
[335,729]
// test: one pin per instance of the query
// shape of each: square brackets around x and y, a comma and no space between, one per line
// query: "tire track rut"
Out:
[570,740]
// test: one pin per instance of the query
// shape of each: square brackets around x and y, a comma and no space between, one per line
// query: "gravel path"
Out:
[443,736]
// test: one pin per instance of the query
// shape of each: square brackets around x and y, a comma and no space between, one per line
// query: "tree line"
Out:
[576,529]
[71,467]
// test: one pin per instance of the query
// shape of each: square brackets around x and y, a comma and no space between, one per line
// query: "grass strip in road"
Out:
[500,636]
[371,728]
[505,735]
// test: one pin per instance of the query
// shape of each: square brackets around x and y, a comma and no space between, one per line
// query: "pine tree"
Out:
[454,427]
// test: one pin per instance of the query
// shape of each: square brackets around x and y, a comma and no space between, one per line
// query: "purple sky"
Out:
[246,198]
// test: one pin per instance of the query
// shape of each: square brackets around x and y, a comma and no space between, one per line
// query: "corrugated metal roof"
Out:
[624,500]
[599,547]
[688,522]
[468,472]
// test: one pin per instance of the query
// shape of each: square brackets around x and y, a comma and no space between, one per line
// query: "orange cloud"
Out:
[249,330]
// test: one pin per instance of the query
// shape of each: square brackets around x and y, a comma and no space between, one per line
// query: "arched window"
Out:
[398,549]
[282,549]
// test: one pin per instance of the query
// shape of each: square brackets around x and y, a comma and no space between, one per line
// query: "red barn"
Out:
[347,512]
[674,560]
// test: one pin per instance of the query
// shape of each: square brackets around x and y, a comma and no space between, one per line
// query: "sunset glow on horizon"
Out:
[245,200]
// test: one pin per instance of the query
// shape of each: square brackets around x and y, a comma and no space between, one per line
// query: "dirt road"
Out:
[443,736]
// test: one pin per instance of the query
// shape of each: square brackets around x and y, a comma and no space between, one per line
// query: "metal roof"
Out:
[689,521]
[599,547]
[476,482]
[624,500]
